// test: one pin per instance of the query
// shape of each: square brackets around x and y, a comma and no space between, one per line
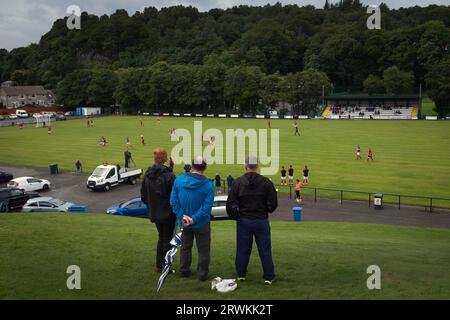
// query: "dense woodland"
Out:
[244,59]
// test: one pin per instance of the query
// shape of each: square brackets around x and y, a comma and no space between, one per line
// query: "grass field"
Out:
[411,157]
[313,260]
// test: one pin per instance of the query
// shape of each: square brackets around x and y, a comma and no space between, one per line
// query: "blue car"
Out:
[131,208]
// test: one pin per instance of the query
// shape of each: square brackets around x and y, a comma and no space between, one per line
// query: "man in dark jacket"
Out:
[251,199]
[155,193]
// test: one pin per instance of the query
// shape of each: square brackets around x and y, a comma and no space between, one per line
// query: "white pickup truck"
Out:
[106,176]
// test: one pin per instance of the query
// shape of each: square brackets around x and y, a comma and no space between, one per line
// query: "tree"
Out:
[327,5]
[125,93]
[397,81]
[101,88]
[243,87]
[438,83]
[373,85]
[72,90]
[303,90]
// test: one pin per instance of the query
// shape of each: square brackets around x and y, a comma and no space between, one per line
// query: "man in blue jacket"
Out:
[191,199]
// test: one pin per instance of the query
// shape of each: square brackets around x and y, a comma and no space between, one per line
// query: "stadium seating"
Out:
[385,112]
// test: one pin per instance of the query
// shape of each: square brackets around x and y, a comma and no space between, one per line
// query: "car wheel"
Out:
[45,187]
[133,181]
[4,207]
[107,187]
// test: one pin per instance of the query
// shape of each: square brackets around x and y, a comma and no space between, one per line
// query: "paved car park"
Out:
[70,187]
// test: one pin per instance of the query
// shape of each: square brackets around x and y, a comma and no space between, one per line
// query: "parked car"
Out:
[21,113]
[131,208]
[60,117]
[32,194]
[5,177]
[49,114]
[2,117]
[29,184]
[12,198]
[106,176]
[12,116]
[46,204]
[219,210]
[69,113]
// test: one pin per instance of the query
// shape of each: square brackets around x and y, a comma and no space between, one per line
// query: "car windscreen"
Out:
[99,172]
[57,202]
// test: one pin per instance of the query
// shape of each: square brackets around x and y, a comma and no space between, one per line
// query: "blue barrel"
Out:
[298,214]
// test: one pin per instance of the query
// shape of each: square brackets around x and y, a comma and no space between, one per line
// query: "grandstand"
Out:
[383,107]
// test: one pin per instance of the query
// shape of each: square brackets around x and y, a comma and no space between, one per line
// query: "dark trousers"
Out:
[165,235]
[246,230]
[203,242]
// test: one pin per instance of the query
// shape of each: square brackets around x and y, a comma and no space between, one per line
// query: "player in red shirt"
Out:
[369,155]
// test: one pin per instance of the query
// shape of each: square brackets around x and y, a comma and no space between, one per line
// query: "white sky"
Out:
[24,21]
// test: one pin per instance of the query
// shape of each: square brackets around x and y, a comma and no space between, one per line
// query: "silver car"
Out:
[46,204]
[219,210]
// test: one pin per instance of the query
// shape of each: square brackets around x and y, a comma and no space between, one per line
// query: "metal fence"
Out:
[400,198]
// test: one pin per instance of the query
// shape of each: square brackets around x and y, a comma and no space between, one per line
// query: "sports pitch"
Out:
[410,157]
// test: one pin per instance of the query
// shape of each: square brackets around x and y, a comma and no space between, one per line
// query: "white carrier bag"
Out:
[223,285]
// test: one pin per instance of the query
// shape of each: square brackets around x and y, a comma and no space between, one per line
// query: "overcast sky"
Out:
[24,21]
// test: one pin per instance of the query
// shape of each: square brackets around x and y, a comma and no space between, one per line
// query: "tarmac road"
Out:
[70,187]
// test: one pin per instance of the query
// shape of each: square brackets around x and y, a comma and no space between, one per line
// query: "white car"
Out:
[29,184]
[21,114]
[12,116]
[219,210]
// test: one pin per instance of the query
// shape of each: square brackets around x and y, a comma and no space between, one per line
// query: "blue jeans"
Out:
[246,230]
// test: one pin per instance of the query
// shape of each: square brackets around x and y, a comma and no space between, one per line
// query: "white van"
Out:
[21,114]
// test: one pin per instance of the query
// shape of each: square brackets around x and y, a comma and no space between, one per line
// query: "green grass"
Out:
[411,157]
[313,260]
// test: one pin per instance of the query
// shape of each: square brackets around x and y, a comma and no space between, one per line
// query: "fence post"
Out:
[342,197]
[398,202]
[315,194]
[431,204]
[370,196]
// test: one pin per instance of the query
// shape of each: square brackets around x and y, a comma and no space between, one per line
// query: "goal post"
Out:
[42,120]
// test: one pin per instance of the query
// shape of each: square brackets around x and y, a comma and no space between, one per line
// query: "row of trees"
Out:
[198,88]
[275,39]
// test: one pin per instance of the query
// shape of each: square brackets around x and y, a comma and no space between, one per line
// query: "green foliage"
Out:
[397,81]
[373,85]
[273,39]
[438,82]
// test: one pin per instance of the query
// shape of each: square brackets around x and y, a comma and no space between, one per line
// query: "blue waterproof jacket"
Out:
[192,195]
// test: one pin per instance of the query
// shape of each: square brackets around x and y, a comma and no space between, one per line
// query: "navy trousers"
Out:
[246,230]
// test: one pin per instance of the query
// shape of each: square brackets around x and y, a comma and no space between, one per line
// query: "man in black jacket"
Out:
[251,199]
[155,193]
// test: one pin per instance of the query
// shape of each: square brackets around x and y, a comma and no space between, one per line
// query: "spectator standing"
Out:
[155,193]
[250,201]
[298,196]
[79,167]
[218,183]
[191,199]
[187,168]
[230,181]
